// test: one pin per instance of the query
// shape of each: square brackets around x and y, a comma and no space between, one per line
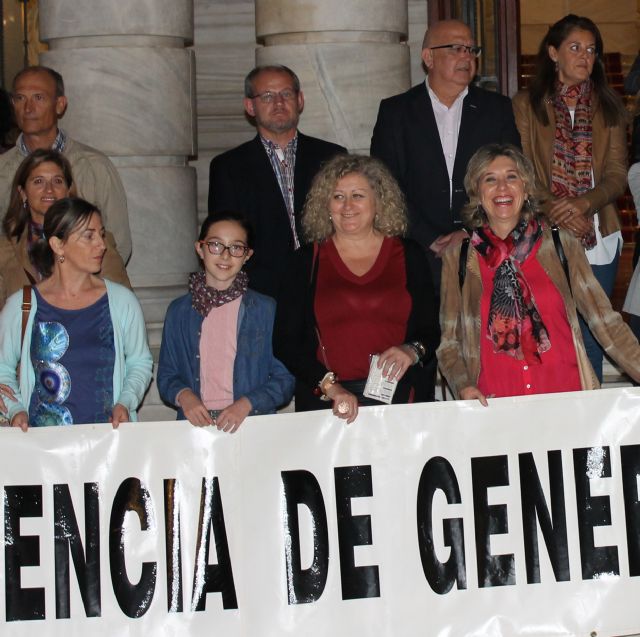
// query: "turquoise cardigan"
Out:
[133,361]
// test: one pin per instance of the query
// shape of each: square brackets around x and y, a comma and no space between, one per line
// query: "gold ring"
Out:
[343,407]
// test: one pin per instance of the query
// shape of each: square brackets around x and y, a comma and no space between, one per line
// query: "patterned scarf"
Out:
[204,298]
[515,326]
[572,147]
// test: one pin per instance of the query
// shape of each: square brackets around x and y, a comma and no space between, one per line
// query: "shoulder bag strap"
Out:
[555,233]
[462,265]
[26,309]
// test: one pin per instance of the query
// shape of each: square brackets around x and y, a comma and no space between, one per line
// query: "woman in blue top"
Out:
[84,357]
[216,361]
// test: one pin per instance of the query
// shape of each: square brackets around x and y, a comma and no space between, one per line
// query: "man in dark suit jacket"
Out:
[268,177]
[427,135]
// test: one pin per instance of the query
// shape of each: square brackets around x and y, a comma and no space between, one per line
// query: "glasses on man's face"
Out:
[268,97]
[217,248]
[459,49]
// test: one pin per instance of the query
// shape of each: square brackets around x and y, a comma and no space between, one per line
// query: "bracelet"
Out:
[418,349]
[328,379]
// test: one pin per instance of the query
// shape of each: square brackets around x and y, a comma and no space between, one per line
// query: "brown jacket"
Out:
[14,265]
[609,161]
[459,350]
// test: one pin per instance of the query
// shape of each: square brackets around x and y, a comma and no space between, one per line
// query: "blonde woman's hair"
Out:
[391,214]
[473,215]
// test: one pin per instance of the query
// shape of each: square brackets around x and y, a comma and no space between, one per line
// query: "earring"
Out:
[25,205]
[330,218]
[61,258]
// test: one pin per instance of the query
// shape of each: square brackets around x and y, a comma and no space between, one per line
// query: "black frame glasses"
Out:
[459,49]
[217,248]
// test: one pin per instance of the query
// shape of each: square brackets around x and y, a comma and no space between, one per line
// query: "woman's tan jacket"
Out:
[609,157]
[15,263]
[459,350]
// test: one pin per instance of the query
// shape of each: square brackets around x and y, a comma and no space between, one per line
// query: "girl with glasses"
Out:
[216,362]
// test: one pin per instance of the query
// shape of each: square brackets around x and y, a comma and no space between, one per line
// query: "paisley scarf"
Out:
[515,326]
[204,297]
[573,147]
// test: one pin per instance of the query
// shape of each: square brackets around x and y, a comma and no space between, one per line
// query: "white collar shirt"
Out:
[448,122]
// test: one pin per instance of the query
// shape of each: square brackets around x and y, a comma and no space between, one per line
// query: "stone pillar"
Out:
[348,55]
[131,84]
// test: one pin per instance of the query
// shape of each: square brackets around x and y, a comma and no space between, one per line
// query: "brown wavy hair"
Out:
[473,214]
[391,212]
[17,217]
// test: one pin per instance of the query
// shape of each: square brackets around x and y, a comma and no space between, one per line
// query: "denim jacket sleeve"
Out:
[174,371]
[276,384]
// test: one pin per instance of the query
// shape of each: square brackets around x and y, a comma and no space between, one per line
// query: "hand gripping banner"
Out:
[522,518]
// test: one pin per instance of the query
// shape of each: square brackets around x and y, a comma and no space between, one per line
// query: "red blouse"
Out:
[360,315]
[504,375]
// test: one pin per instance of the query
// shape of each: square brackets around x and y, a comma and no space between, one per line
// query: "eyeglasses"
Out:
[217,248]
[460,49]
[268,97]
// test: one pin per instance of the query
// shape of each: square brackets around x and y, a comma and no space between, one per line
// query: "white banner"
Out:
[439,519]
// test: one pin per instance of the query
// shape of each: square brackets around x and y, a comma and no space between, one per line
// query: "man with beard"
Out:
[427,135]
[268,177]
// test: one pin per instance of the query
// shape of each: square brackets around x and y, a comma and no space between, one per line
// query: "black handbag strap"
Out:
[462,265]
[555,233]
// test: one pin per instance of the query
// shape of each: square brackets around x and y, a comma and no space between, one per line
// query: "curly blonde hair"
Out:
[473,214]
[391,213]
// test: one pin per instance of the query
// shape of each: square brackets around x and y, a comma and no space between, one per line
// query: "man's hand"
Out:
[446,240]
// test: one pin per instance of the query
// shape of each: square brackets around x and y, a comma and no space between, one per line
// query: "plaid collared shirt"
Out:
[58,144]
[283,162]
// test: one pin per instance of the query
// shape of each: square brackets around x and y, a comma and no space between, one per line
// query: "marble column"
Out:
[348,55]
[130,82]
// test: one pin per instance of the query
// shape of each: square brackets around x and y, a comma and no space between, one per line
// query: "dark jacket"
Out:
[257,375]
[406,138]
[295,340]
[242,179]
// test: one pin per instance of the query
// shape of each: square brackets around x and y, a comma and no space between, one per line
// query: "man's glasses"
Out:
[268,97]
[217,248]
[460,49]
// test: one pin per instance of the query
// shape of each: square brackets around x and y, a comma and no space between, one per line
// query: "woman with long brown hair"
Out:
[573,128]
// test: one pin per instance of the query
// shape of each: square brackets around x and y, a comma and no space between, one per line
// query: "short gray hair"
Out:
[270,68]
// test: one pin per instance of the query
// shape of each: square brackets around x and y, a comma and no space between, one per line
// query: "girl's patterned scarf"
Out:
[572,147]
[515,326]
[204,298]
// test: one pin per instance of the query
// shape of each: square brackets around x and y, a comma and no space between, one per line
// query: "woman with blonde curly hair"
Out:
[509,305]
[357,290]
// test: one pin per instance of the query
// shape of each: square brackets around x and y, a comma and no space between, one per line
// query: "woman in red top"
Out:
[358,289]
[508,311]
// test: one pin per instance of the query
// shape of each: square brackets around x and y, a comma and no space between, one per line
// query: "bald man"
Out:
[427,135]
